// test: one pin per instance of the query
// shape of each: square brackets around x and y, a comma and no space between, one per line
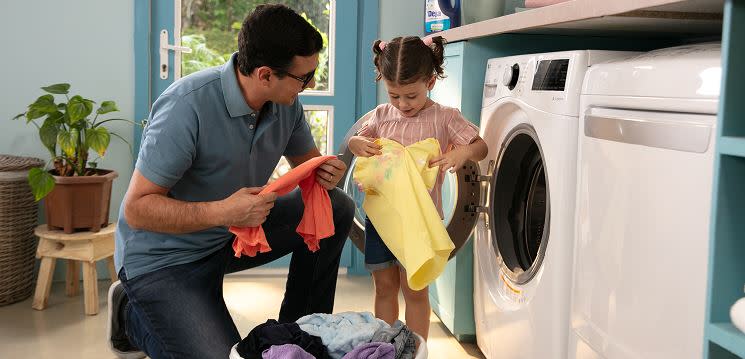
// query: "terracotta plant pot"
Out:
[80,202]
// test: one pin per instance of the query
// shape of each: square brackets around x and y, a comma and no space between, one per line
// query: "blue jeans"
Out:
[179,311]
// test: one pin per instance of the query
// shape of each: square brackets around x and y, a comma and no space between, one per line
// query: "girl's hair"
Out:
[406,60]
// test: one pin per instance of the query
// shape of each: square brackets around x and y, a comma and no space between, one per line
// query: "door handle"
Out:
[164,48]
[673,135]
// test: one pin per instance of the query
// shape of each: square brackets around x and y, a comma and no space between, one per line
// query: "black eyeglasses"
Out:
[305,79]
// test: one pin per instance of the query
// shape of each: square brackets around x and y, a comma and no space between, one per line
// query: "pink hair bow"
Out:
[427,41]
[381,45]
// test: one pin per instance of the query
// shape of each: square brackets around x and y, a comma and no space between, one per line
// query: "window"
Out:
[210,28]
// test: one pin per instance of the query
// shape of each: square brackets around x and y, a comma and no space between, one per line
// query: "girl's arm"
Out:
[477,149]
[455,158]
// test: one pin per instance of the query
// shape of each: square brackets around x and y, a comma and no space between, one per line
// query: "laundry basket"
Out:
[18,217]
[421,352]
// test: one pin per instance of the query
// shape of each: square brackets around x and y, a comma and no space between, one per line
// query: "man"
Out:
[212,140]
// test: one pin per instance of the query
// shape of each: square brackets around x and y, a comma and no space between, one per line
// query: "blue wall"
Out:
[398,18]
[87,43]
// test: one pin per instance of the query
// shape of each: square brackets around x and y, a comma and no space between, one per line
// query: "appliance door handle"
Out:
[676,134]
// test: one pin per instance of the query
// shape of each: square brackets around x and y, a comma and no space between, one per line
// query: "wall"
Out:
[399,18]
[87,43]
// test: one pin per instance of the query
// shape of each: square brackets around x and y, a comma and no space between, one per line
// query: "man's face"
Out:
[287,88]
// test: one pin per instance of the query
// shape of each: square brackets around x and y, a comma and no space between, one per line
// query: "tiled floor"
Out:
[63,331]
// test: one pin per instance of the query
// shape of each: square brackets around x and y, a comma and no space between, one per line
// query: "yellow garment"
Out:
[397,201]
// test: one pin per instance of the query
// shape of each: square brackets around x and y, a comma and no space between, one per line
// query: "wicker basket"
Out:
[18,218]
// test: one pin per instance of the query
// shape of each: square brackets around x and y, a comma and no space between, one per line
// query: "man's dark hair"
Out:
[272,35]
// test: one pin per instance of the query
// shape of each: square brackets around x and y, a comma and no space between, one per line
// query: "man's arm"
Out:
[298,160]
[328,174]
[147,207]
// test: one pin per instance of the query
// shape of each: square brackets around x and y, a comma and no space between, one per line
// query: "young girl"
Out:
[409,67]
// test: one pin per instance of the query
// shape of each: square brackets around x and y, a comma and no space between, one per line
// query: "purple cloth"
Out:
[286,351]
[374,350]
[263,336]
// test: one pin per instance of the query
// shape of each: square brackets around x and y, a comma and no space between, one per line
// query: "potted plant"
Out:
[77,192]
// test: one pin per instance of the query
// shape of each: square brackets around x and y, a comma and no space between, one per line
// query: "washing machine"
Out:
[646,151]
[524,237]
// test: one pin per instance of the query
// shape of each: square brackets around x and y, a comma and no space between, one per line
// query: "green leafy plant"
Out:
[68,132]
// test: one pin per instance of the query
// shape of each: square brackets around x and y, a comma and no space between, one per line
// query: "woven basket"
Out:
[18,218]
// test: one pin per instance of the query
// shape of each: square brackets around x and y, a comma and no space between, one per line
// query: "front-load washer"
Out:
[646,150]
[523,241]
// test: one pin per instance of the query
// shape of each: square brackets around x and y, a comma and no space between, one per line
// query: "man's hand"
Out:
[363,146]
[246,207]
[330,173]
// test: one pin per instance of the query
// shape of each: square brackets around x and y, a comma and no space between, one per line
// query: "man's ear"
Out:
[264,74]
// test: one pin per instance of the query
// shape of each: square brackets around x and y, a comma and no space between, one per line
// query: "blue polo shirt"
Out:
[204,143]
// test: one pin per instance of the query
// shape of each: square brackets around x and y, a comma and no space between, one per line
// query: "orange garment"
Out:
[317,221]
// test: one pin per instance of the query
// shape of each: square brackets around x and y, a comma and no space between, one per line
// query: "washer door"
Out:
[520,207]
[460,197]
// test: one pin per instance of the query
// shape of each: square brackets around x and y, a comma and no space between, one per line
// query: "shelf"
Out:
[733,146]
[728,337]
[651,17]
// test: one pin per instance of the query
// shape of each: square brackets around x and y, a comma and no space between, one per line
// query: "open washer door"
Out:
[461,192]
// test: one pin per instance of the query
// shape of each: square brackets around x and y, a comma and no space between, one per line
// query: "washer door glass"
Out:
[520,211]
[460,198]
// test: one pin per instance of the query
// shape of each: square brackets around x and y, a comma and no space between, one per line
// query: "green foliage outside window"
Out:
[210,28]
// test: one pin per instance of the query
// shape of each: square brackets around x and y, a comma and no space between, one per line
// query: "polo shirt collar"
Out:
[234,101]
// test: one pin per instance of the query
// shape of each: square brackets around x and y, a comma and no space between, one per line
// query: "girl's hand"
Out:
[452,160]
[364,147]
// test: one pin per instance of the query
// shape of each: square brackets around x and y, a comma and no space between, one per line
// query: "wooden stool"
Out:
[87,247]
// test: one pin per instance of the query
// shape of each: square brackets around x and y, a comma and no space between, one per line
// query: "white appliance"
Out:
[646,149]
[523,244]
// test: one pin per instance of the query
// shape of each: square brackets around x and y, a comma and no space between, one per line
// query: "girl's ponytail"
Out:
[377,55]
[438,55]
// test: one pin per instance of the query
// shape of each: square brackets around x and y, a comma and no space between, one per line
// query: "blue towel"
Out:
[342,332]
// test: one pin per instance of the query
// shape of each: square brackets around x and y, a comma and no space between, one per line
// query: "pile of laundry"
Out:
[347,335]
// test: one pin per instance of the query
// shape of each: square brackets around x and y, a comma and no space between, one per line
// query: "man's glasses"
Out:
[305,79]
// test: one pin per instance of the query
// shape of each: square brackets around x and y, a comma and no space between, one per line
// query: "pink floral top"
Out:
[445,124]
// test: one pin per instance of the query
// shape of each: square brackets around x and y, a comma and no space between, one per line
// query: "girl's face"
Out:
[411,98]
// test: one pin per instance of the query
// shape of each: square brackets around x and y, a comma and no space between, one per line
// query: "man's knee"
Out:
[342,206]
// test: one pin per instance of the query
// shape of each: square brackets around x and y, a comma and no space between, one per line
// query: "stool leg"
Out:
[43,283]
[90,288]
[73,278]
[112,269]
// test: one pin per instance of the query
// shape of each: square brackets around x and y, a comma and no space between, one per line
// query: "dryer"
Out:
[524,239]
[646,151]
